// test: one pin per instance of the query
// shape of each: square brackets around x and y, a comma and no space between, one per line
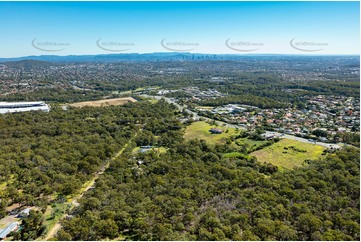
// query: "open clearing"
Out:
[250,144]
[201,129]
[158,150]
[205,107]
[8,220]
[289,153]
[104,102]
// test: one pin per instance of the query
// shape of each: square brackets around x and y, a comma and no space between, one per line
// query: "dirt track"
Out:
[52,232]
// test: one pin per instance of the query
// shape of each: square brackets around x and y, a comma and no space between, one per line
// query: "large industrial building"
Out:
[14,107]
[6,231]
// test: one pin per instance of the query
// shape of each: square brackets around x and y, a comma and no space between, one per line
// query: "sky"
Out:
[78,28]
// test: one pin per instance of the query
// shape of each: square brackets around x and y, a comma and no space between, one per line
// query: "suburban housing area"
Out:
[180,150]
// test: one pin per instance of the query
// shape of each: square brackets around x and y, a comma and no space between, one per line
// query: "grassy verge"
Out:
[52,215]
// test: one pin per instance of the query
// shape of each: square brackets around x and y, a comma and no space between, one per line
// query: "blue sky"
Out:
[203,27]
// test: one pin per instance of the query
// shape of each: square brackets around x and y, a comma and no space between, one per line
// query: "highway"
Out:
[196,116]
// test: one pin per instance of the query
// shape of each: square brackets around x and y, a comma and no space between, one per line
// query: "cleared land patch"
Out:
[159,150]
[289,153]
[201,129]
[250,144]
[104,102]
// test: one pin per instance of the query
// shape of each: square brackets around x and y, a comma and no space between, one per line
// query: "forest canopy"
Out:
[192,192]
[177,190]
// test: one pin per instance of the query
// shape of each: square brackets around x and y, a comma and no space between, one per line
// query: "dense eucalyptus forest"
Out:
[47,155]
[119,122]
[187,190]
[192,193]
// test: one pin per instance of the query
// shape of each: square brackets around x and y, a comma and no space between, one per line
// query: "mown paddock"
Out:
[104,102]
[289,153]
[200,130]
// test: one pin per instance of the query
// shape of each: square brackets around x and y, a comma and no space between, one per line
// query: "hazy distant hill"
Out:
[168,56]
[158,56]
[28,64]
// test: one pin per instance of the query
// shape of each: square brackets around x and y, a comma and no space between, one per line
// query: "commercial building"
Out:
[14,107]
[11,227]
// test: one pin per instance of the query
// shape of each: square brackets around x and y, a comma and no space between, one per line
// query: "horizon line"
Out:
[187,53]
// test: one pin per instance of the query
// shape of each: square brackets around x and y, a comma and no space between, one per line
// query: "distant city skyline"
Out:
[88,28]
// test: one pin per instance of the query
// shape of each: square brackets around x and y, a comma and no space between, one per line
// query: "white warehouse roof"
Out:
[14,107]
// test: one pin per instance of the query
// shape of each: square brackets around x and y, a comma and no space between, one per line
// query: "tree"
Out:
[308,223]
[63,236]
[3,205]
[320,133]
[265,228]
[286,233]
[32,226]
[108,229]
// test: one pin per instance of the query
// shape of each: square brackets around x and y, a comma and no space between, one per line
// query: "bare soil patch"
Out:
[104,102]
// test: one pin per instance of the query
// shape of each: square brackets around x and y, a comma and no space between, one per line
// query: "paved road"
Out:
[276,134]
[168,100]
[287,136]
[196,116]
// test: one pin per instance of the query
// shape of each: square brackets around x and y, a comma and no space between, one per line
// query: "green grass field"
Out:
[236,155]
[136,149]
[153,101]
[3,185]
[252,144]
[159,150]
[53,214]
[289,157]
[205,107]
[144,88]
[201,129]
